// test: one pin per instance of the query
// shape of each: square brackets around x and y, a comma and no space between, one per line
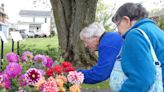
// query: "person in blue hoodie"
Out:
[108,45]
[137,62]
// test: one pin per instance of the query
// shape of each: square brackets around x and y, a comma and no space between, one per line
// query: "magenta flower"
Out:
[40,59]
[32,76]
[49,62]
[13,69]
[12,57]
[7,82]
[22,80]
[27,56]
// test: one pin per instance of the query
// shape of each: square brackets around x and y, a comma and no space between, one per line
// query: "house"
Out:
[34,21]
[3,21]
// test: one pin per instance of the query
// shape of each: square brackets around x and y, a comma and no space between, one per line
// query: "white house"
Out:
[34,20]
[3,21]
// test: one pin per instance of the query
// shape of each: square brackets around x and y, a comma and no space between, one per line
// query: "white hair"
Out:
[94,29]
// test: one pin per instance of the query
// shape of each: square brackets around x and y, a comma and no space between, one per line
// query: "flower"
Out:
[12,57]
[39,83]
[32,76]
[62,78]
[40,59]
[58,69]
[49,62]
[75,88]
[49,86]
[1,78]
[22,80]
[13,69]
[27,56]
[42,72]
[7,83]
[75,77]
[21,90]
[66,64]
[68,69]
[49,72]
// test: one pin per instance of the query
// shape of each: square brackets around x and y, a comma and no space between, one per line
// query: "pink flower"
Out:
[75,77]
[49,86]
[27,56]
[32,76]
[13,69]
[12,57]
[40,59]
[1,78]
[22,80]
[49,62]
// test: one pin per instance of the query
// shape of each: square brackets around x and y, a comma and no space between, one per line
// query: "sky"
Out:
[12,7]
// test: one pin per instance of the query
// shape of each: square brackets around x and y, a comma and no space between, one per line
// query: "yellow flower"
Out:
[75,88]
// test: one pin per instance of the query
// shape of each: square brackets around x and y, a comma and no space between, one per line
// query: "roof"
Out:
[32,13]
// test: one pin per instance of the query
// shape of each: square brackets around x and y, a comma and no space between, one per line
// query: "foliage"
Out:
[161,22]
[104,13]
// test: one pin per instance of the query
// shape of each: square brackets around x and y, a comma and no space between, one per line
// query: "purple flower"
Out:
[13,69]
[27,56]
[7,82]
[12,57]
[22,80]
[40,59]
[49,62]
[32,76]
[42,72]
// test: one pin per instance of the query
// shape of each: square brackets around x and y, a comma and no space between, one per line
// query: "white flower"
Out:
[75,77]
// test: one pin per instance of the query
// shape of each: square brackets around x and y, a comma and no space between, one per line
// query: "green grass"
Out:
[41,43]
[38,43]
[102,85]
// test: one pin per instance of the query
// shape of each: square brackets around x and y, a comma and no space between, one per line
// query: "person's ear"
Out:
[127,21]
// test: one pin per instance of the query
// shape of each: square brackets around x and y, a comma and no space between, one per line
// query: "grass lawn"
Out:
[38,43]
[41,43]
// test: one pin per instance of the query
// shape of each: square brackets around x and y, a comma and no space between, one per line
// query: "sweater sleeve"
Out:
[137,63]
[107,57]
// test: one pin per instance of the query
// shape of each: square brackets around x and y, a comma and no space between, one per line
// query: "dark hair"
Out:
[134,11]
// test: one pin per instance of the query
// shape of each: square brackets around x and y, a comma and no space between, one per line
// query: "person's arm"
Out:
[102,70]
[137,63]
[106,60]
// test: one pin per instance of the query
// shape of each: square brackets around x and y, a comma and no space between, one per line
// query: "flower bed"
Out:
[38,74]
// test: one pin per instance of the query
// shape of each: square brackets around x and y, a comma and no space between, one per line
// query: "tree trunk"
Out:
[70,17]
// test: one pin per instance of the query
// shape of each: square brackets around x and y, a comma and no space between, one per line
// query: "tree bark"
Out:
[70,17]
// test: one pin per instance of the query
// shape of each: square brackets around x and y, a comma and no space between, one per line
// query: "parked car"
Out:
[38,34]
[23,34]
[30,34]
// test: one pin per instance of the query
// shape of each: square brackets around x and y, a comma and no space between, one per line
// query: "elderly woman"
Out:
[137,62]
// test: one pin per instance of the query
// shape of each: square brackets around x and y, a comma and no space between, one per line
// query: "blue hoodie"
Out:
[136,56]
[108,49]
